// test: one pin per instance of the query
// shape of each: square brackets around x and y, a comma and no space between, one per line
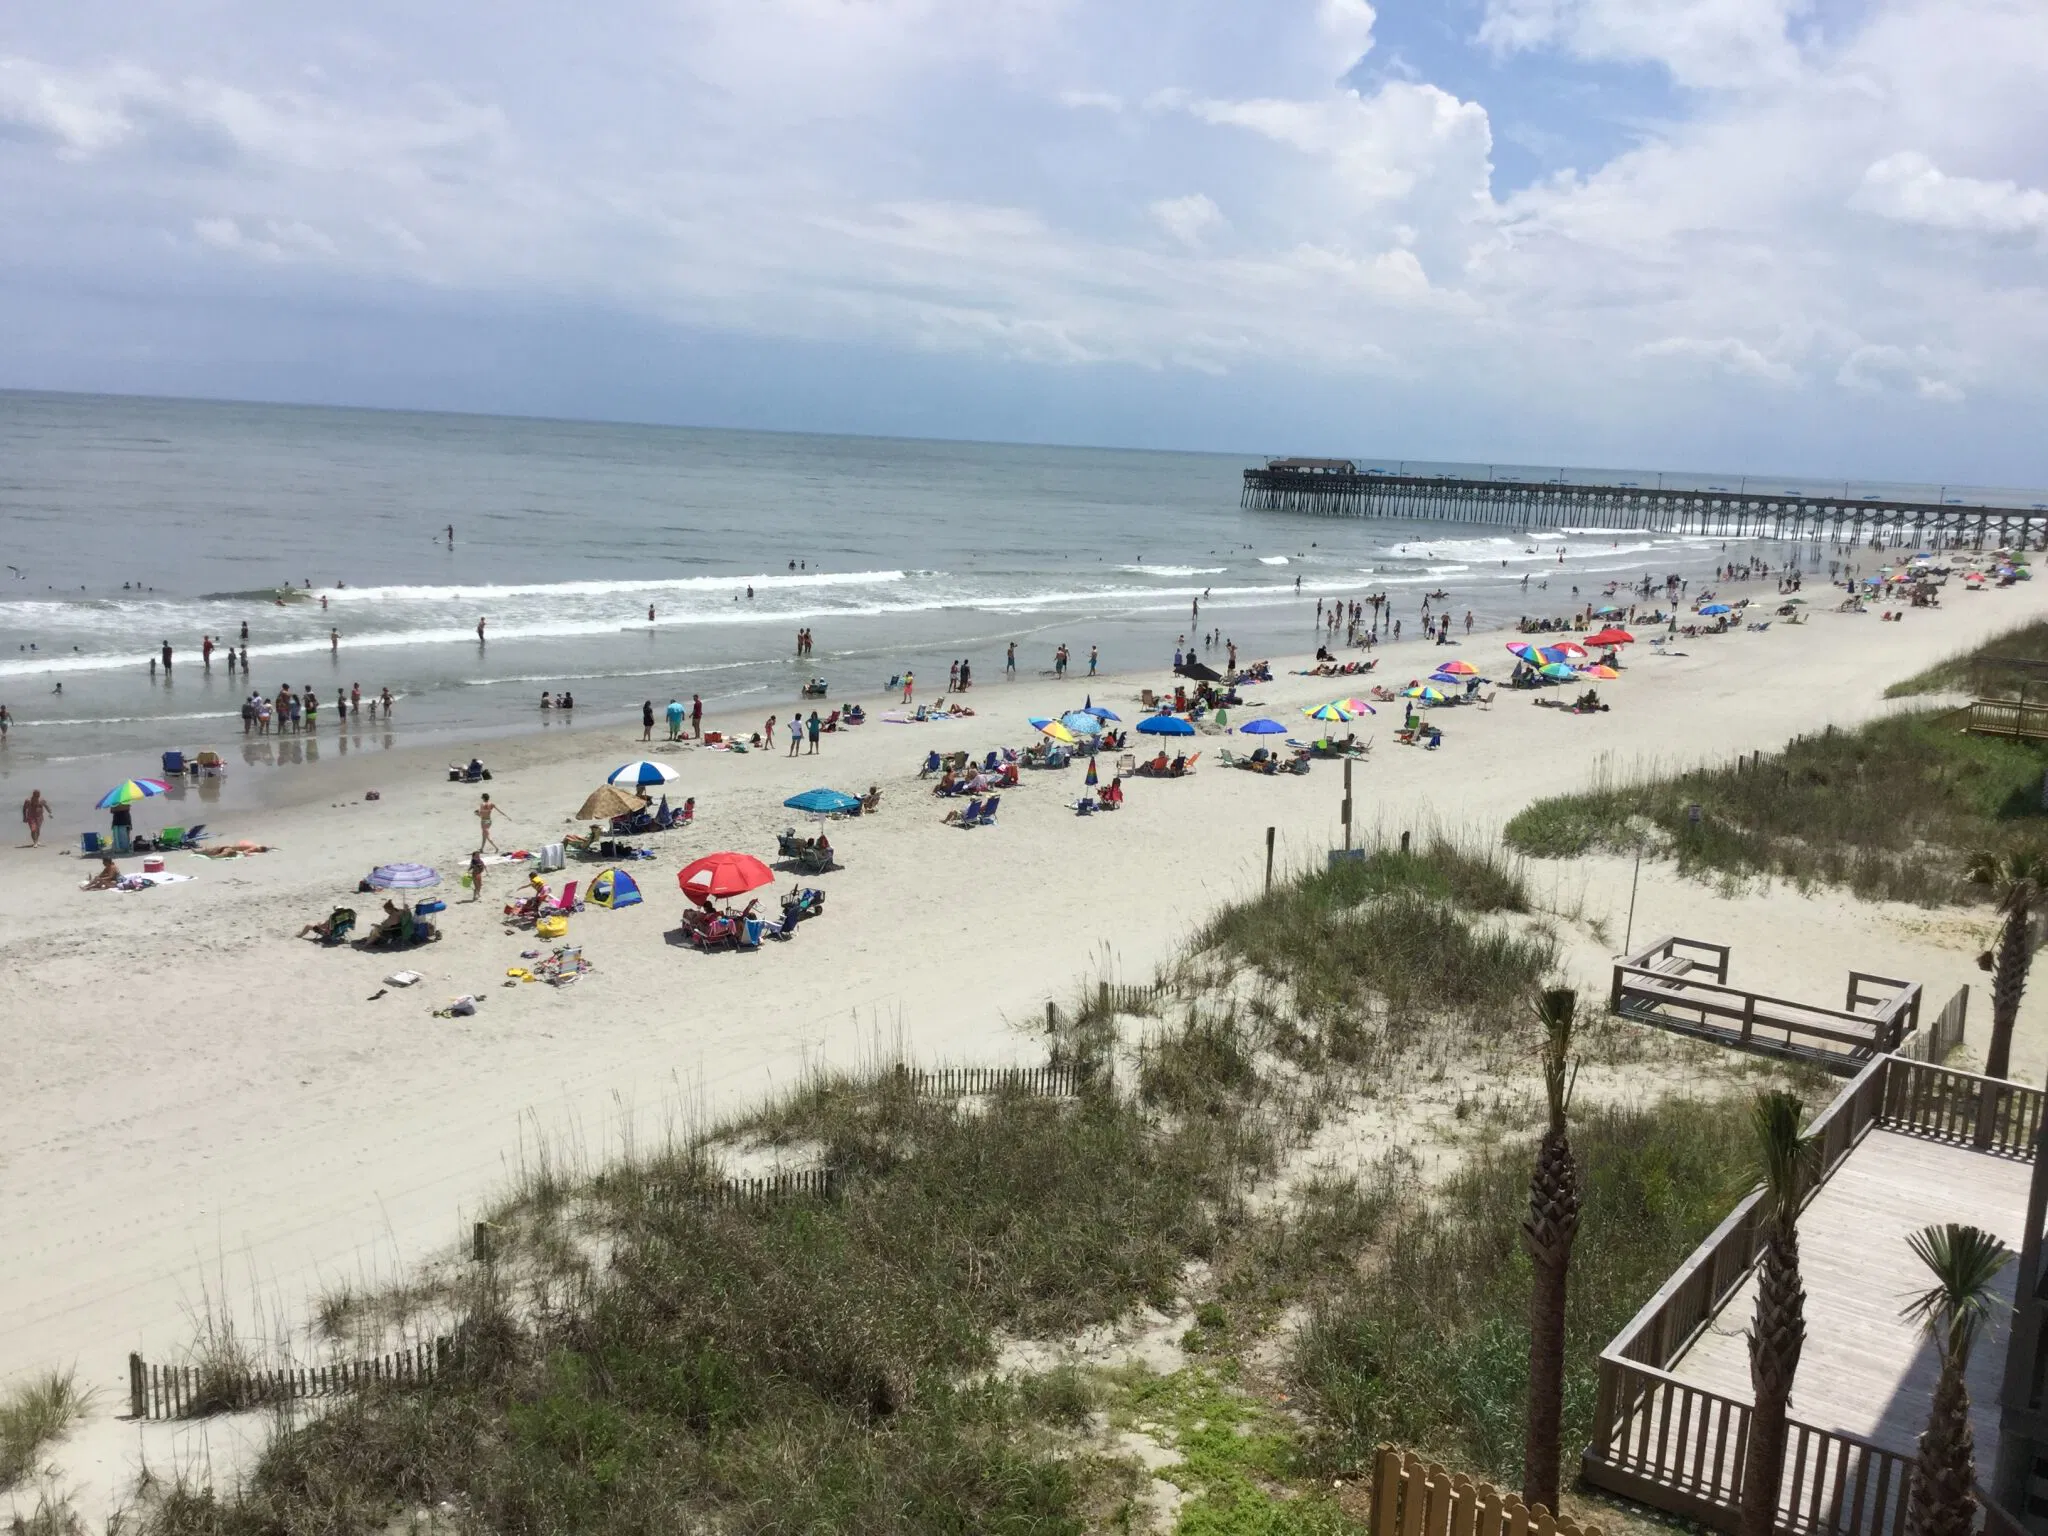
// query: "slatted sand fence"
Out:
[194,1391]
[1413,1497]
[1064,1081]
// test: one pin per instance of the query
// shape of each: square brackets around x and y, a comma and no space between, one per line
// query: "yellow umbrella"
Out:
[1058,732]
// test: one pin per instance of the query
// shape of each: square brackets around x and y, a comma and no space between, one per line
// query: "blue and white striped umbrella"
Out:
[640,775]
[404,877]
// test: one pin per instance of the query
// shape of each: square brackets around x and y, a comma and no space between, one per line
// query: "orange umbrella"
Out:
[723,874]
[1604,673]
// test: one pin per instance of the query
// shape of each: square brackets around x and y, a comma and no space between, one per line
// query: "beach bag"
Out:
[551,927]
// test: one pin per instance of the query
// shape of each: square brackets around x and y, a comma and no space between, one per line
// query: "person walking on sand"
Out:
[909,683]
[1092,658]
[484,813]
[1010,661]
[476,875]
[647,719]
[33,810]
[811,728]
[796,734]
[697,716]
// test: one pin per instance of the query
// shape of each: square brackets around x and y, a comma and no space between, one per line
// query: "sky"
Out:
[1807,236]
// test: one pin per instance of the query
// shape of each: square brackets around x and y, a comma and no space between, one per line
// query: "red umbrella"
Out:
[723,874]
[1611,636]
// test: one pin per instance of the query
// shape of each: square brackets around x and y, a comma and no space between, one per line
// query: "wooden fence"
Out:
[1682,984]
[1052,1082]
[1679,1447]
[193,1391]
[1412,1497]
[1934,1043]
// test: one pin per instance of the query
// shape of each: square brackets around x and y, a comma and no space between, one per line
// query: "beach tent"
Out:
[614,888]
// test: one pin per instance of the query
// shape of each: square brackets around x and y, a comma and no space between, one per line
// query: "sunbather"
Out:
[108,877]
[1158,764]
[336,922]
[394,923]
[947,783]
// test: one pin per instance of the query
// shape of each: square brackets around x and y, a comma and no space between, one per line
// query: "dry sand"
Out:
[198,1103]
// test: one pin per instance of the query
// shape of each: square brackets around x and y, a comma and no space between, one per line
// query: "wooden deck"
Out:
[1682,984]
[1906,1143]
[1865,1371]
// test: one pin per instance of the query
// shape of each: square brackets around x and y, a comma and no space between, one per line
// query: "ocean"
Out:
[135,523]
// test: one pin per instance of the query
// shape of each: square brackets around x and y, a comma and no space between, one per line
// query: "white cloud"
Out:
[1714,43]
[1188,218]
[1881,368]
[1728,354]
[1911,188]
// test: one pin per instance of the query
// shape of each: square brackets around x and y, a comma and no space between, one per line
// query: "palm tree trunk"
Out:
[1775,1342]
[1944,1499]
[2008,982]
[1548,1231]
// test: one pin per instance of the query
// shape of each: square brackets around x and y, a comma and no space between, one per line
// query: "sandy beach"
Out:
[199,1104]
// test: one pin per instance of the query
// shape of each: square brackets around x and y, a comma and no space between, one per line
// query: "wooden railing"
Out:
[2005,717]
[1664,984]
[1413,1497]
[1680,1447]
[949,1082]
[193,1391]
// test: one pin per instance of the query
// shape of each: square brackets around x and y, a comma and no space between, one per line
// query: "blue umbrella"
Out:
[1100,713]
[1263,728]
[1082,722]
[642,774]
[1165,725]
[1715,609]
[822,802]
[404,877]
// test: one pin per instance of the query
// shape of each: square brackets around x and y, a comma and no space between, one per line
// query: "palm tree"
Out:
[1965,1262]
[1786,1163]
[2017,880]
[1547,1231]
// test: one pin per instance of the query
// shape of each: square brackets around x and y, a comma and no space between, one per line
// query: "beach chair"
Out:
[1486,699]
[340,923]
[194,833]
[971,817]
[563,904]
[1147,698]
[174,765]
[171,837]
[1127,764]
[92,842]
[988,812]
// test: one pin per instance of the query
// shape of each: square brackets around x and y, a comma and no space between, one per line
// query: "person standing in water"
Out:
[479,631]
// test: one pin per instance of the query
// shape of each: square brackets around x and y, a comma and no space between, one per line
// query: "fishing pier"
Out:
[1339,488]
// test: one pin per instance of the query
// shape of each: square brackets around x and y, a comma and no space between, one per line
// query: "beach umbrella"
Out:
[1059,732]
[1424,692]
[607,801]
[1799,600]
[642,774]
[1447,679]
[723,874]
[1100,713]
[1604,673]
[403,877]
[823,802]
[1340,709]
[1611,636]
[1200,671]
[1165,725]
[1715,610]
[1525,650]
[1092,779]
[1973,576]
[1263,728]
[1566,648]
[1082,723]
[1557,670]
[128,791]
[1458,668]
[1609,612]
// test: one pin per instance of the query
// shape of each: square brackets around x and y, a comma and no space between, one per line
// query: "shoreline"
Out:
[208,1102]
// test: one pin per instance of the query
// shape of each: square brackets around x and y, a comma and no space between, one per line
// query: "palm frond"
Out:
[1965,1262]
[1557,1010]
[1787,1161]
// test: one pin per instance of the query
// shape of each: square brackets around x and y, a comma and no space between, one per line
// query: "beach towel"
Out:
[144,882]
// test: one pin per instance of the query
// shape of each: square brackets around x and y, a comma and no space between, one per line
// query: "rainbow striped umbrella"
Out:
[128,791]
[1458,667]
[1339,710]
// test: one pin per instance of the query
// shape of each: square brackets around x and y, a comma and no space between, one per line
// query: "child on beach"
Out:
[796,734]
[909,682]
[476,872]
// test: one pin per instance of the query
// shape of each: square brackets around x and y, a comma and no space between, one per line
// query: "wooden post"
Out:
[138,1388]
[1052,1016]
[480,1243]
[1347,804]
[1102,998]
[1269,858]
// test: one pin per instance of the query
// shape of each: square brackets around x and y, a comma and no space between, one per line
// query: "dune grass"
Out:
[1433,1352]
[1892,811]
[1977,671]
[34,1415]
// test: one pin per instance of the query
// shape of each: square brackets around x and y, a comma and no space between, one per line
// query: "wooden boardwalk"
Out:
[1865,1371]
[1905,1144]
